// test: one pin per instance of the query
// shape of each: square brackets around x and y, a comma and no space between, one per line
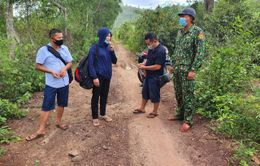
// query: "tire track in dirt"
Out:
[158,142]
[150,142]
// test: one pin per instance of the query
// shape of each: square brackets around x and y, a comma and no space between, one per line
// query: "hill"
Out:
[128,13]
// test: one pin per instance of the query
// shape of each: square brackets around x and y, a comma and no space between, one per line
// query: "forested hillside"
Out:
[128,13]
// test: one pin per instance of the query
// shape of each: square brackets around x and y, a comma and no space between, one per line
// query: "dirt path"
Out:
[130,140]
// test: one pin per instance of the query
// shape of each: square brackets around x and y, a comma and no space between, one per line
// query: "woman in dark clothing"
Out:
[101,57]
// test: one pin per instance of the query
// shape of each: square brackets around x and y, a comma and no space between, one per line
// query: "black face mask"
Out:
[58,42]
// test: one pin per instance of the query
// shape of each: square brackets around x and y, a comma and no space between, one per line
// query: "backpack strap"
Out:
[55,53]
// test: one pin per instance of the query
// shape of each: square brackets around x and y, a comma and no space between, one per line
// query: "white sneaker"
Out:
[106,118]
[95,122]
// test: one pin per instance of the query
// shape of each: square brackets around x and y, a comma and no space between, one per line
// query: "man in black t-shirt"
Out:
[154,69]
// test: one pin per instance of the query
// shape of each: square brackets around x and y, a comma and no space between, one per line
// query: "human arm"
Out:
[65,69]
[112,53]
[44,69]
[152,67]
[199,51]
[91,65]
[199,55]
[91,62]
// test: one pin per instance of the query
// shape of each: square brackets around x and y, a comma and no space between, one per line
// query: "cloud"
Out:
[153,3]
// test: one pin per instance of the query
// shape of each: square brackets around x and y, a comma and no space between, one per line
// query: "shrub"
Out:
[8,111]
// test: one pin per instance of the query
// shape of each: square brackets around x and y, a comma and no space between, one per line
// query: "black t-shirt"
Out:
[156,56]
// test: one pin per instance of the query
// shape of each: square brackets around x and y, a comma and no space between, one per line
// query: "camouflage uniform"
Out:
[188,55]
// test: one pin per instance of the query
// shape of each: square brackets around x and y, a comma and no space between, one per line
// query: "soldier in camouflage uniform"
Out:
[187,58]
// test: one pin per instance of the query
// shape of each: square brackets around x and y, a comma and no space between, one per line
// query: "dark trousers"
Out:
[101,93]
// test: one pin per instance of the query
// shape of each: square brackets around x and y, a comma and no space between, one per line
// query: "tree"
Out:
[64,10]
[2,18]
[209,5]
[10,31]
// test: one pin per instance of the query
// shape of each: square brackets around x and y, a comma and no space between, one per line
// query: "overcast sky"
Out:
[153,3]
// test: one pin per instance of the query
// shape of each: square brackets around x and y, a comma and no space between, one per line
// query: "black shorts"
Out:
[151,89]
[49,97]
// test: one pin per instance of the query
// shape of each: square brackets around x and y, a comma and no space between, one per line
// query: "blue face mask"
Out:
[182,22]
[106,42]
[150,47]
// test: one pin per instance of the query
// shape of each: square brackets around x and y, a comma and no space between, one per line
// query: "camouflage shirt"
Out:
[189,48]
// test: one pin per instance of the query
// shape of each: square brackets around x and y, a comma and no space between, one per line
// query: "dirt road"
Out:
[130,140]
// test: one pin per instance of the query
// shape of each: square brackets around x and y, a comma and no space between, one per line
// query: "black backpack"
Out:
[81,72]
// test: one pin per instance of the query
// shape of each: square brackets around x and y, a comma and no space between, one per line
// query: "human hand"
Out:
[111,46]
[141,66]
[63,72]
[96,82]
[55,74]
[191,75]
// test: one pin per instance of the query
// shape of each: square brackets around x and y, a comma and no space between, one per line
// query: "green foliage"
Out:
[7,135]
[2,120]
[2,20]
[36,163]
[162,21]
[34,20]
[226,89]
[2,151]
[244,155]
[85,18]
[128,14]
[236,116]
[18,79]
[8,111]
[228,70]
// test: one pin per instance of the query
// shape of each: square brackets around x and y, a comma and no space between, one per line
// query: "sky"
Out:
[152,3]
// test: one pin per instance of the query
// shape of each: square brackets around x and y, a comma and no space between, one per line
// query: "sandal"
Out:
[95,122]
[106,118]
[34,136]
[152,115]
[62,126]
[138,111]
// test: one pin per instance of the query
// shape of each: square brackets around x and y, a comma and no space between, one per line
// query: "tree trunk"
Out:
[1,11]
[28,5]
[10,31]
[64,10]
[209,5]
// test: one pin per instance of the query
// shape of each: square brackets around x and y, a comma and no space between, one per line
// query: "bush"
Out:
[225,90]
[7,135]
[162,21]
[19,78]
[244,155]
[8,111]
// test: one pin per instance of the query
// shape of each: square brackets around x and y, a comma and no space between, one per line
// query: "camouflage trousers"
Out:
[184,92]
